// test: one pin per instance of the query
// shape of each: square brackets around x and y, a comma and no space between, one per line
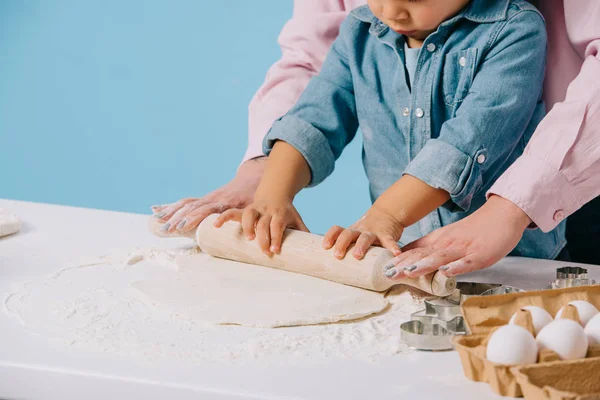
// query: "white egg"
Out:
[565,337]
[512,345]
[539,317]
[592,330]
[586,311]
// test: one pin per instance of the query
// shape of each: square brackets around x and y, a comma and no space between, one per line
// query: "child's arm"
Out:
[272,211]
[403,204]
[302,147]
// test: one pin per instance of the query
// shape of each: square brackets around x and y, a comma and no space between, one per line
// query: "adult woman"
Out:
[554,178]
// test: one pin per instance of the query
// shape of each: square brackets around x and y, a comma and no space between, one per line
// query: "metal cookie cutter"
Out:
[502,290]
[570,277]
[464,290]
[433,328]
[424,336]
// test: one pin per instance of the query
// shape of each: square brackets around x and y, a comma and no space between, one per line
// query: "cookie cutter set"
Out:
[570,277]
[433,328]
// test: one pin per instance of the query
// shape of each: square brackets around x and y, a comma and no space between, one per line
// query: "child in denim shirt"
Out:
[446,94]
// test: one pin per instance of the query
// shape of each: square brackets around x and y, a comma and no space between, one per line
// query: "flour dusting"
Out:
[93,307]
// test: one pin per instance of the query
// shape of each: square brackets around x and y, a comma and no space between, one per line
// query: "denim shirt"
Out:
[475,102]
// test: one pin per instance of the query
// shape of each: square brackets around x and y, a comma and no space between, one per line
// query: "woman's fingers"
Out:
[466,264]
[364,241]
[194,217]
[331,236]
[175,220]
[165,214]
[438,259]
[158,208]
[404,263]
[344,240]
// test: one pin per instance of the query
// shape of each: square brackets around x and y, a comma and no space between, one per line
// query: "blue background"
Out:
[123,104]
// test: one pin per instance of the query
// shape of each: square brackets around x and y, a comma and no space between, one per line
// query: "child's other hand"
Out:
[376,227]
[266,221]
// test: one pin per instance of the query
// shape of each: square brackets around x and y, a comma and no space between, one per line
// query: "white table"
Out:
[30,369]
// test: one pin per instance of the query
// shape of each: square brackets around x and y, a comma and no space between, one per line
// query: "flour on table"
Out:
[9,223]
[94,307]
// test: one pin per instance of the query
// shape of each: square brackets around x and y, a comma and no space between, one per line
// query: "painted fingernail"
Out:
[411,268]
[160,214]
[444,268]
[338,254]
[388,267]
[165,227]
[273,249]
[182,224]
[390,273]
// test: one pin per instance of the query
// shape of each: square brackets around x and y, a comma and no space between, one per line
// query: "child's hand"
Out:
[375,227]
[266,221]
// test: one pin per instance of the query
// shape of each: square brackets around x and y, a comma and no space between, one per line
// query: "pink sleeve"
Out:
[304,41]
[560,169]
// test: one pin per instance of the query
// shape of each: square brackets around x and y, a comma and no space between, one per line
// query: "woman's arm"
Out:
[305,41]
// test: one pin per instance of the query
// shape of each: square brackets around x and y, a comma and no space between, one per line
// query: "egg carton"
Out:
[483,314]
[571,277]
[434,327]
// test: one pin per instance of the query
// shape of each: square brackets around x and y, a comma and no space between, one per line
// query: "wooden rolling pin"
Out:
[302,252]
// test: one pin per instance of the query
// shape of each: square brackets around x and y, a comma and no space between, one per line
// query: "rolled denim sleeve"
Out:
[490,122]
[324,120]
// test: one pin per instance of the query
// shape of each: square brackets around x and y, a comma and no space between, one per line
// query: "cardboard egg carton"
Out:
[484,314]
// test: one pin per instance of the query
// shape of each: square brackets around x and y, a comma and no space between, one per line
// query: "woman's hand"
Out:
[186,214]
[266,221]
[376,227]
[476,242]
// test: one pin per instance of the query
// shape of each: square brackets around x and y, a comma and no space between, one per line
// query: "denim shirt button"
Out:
[481,158]
[406,112]
[419,113]
[431,47]
[462,61]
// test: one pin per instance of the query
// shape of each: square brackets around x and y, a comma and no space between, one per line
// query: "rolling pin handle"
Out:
[442,285]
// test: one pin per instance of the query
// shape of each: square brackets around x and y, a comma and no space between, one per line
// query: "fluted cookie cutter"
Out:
[570,277]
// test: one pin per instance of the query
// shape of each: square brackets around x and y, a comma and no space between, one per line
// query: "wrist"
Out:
[394,217]
[266,195]
[510,210]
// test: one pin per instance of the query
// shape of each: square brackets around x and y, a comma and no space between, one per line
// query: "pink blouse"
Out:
[560,168]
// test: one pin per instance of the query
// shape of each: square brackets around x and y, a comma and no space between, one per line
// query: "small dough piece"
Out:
[220,291]
[9,223]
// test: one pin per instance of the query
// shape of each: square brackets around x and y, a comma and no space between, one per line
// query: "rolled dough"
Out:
[228,292]
[9,223]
